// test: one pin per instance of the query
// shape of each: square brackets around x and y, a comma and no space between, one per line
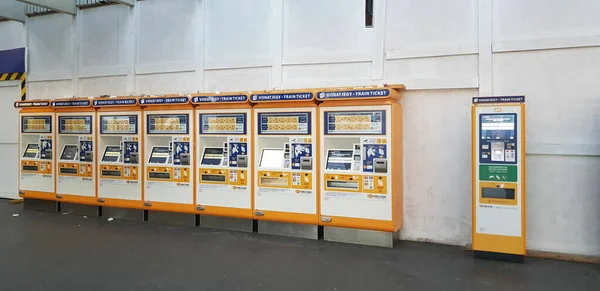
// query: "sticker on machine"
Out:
[285,191]
[498,220]
[328,195]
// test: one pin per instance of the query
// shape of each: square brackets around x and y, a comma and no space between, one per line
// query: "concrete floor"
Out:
[50,251]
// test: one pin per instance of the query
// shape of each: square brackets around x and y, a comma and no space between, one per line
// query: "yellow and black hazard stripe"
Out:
[17,76]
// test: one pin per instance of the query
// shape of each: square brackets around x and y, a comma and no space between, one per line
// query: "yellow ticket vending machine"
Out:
[224,160]
[286,159]
[36,154]
[169,155]
[361,166]
[119,133]
[75,144]
[499,177]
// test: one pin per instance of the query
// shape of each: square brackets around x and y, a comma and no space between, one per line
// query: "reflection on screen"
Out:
[340,160]
[271,158]
[159,155]
[112,154]
[498,126]
[69,152]
[32,150]
[212,156]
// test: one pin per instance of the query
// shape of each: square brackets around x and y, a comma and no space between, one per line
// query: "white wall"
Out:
[445,51]
[12,35]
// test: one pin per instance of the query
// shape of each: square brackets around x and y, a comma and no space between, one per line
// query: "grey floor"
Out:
[50,251]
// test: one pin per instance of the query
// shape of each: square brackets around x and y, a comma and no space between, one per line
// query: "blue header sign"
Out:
[164,100]
[31,104]
[12,61]
[503,99]
[219,98]
[71,103]
[302,96]
[114,102]
[378,93]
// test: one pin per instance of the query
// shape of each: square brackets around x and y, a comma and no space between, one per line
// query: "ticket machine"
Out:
[119,157]
[168,155]
[36,155]
[76,150]
[224,160]
[498,125]
[361,165]
[286,159]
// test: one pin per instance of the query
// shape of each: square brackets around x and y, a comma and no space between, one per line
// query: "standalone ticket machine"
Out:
[168,154]
[224,147]
[499,177]
[361,165]
[76,150]
[36,155]
[119,157]
[286,159]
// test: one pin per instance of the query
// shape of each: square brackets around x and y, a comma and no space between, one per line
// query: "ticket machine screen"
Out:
[340,160]
[112,154]
[31,151]
[213,156]
[160,155]
[69,152]
[498,126]
[272,158]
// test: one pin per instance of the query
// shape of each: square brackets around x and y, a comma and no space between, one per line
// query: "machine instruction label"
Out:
[504,173]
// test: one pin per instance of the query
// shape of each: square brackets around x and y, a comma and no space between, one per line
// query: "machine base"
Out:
[360,236]
[227,223]
[123,213]
[39,204]
[185,219]
[79,209]
[288,229]
[499,256]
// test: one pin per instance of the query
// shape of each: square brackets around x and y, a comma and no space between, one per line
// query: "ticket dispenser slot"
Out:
[497,151]
[345,185]
[242,161]
[134,158]
[89,156]
[380,165]
[185,159]
[306,163]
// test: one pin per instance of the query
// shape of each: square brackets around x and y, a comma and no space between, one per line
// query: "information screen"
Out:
[36,124]
[32,150]
[168,123]
[212,156]
[69,152]
[498,126]
[284,123]
[112,154]
[123,124]
[340,160]
[159,155]
[355,122]
[223,123]
[75,124]
[272,158]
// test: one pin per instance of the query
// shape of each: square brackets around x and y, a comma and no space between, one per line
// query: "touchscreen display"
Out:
[212,156]
[271,158]
[159,155]
[112,154]
[339,160]
[69,152]
[31,151]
